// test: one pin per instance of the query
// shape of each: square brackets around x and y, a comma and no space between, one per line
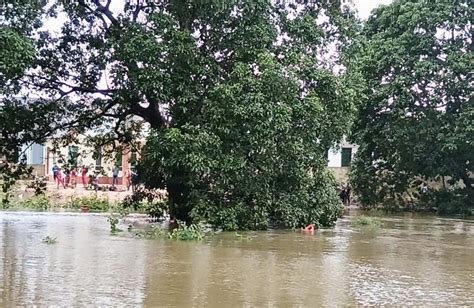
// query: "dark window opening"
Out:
[346,157]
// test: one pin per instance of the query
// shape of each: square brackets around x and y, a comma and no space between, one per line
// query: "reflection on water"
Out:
[410,260]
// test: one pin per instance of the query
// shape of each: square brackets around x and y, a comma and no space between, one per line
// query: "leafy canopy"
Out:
[417,119]
[242,100]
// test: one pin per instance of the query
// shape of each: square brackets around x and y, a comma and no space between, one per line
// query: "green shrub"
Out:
[40,202]
[38,185]
[149,201]
[456,201]
[113,220]
[187,233]
[94,203]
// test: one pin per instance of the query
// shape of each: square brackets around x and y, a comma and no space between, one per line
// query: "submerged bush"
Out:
[150,234]
[314,201]
[186,233]
[367,221]
[456,201]
[113,220]
[151,202]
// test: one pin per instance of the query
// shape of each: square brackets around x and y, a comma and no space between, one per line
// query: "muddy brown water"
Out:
[410,260]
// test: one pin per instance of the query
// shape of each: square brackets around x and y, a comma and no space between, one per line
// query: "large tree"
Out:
[242,100]
[417,120]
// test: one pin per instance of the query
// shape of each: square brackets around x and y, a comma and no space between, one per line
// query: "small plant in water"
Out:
[113,220]
[187,233]
[367,221]
[243,237]
[49,240]
[151,234]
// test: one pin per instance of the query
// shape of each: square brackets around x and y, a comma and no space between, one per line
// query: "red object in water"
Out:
[309,229]
[84,209]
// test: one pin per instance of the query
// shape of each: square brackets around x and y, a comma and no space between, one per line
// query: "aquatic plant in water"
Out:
[187,233]
[367,221]
[151,234]
[113,219]
[49,240]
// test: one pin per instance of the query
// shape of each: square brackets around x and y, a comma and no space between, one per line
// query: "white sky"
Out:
[365,6]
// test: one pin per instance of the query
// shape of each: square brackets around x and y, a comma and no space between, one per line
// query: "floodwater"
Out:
[410,260]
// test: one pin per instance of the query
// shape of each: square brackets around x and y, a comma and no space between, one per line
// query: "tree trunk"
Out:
[177,201]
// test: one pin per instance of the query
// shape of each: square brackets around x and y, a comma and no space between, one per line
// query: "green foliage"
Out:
[367,221]
[50,240]
[113,220]
[41,203]
[457,201]
[187,233]
[94,203]
[16,54]
[417,119]
[149,201]
[242,101]
[38,185]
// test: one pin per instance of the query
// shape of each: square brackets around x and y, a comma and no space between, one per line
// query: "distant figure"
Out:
[73,177]
[127,176]
[134,178]
[67,177]
[96,182]
[115,174]
[59,178]
[347,200]
[342,193]
[84,176]
[55,171]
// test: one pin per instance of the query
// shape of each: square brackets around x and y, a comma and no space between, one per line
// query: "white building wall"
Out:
[335,154]
[334,158]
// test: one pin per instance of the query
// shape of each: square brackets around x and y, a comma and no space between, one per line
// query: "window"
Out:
[133,159]
[98,159]
[118,159]
[346,157]
[73,154]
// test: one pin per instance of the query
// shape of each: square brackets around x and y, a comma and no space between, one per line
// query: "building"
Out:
[97,162]
[340,159]
[43,157]
[33,155]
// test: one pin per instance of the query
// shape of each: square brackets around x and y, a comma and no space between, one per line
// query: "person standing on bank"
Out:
[59,178]
[342,193]
[347,196]
[84,176]
[73,178]
[127,178]
[55,172]
[115,173]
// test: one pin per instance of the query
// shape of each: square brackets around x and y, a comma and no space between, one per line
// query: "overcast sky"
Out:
[365,6]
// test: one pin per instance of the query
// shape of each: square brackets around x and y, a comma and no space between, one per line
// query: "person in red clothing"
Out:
[59,178]
[84,176]
[73,177]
